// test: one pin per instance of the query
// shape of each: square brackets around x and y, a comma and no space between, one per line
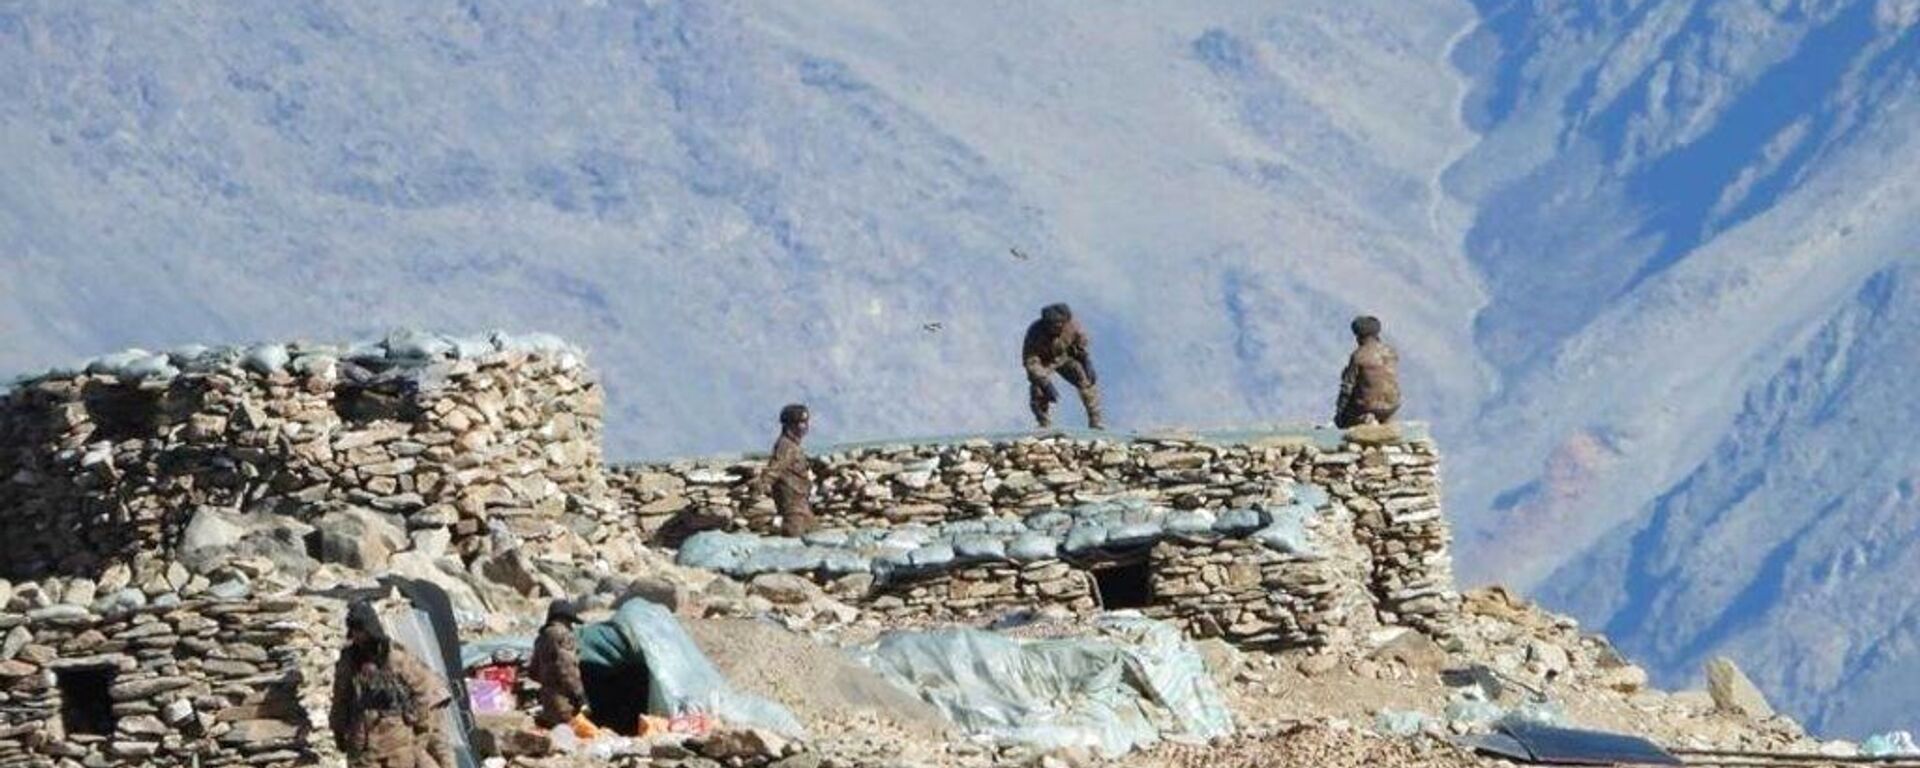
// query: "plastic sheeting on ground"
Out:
[1131,682]
[680,678]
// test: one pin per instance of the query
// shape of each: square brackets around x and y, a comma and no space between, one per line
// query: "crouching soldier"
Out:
[1370,385]
[1057,344]
[387,706]
[556,666]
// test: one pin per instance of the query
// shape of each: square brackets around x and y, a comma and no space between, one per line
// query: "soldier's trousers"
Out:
[1353,416]
[1042,403]
[436,749]
[796,512]
[555,708]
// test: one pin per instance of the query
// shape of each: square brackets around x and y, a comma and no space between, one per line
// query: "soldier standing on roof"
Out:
[387,706]
[556,666]
[1057,343]
[1370,385]
[788,476]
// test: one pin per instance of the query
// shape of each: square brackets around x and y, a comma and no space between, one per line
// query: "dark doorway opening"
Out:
[1124,584]
[86,706]
[365,405]
[616,695]
[122,411]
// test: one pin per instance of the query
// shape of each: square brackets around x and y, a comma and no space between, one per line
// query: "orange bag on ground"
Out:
[584,728]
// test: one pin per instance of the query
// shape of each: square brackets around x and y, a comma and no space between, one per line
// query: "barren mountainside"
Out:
[1648,264]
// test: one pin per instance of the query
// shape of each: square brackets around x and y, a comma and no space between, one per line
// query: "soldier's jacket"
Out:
[387,734]
[1046,348]
[556,667]
[1371,382]
[787,470]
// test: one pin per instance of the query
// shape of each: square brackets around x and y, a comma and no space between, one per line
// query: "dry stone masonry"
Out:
[110,673]
[111,460]
[1289,538]
[178,530]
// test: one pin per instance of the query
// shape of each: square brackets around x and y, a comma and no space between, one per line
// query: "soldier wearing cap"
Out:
[788,476]
[1370,385]
[387,706]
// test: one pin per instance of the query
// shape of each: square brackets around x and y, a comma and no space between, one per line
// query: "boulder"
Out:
[255,734]
[215,537]
[1318,664]
[1733,693]
[359,538]
[783,589]
[1552,659]
[661,591]
[1223,660]
[1625,679]
[414,565]
[512,569]
[212,528]
[750,745]
[1414,650]
[509,736]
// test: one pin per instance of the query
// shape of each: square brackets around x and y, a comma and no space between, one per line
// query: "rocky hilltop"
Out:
[184,527]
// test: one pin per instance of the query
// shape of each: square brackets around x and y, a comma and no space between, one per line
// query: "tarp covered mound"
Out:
[1130,682]
[678,678]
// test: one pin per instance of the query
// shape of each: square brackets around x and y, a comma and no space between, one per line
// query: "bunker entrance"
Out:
[1124,584]
[86,706]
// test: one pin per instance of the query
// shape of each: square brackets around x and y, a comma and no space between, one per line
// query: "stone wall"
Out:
[1289,539]
[183,520]
[111,460]
[210,679]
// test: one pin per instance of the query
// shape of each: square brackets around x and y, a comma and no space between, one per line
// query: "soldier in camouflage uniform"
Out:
[387,705]
[556,666]
[1057,343]
[788,476]
[1370,385]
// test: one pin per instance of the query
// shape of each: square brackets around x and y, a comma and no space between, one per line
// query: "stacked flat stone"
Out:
[1382,482]
[985,590]
[1293,575]
[200,676]
[1394,493]
[103,462]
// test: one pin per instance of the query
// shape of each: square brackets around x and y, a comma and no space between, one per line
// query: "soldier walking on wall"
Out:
[788,476]
[387,706]
[1370,385]
[556,666]
[1057,343]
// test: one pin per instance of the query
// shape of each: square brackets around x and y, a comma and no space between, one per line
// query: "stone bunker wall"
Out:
[476,463]
[1378,536]
[102,464]
[121,680]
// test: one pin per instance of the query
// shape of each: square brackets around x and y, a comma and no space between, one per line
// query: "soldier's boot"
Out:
[1090,397]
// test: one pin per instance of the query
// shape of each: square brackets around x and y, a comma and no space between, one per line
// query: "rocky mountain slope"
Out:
[1701,282]
[1633,252]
